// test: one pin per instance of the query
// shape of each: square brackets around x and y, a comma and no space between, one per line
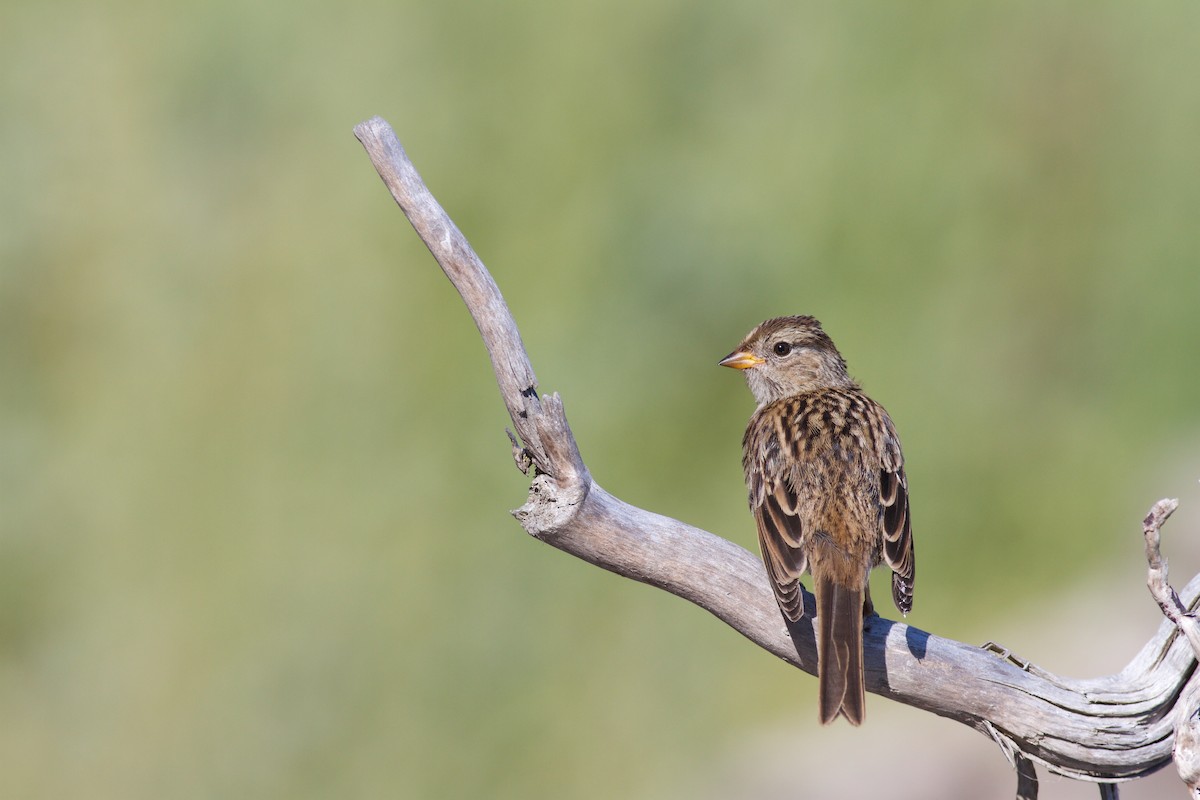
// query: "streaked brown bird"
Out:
[828,492]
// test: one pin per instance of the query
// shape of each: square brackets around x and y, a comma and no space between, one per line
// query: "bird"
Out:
[827,488]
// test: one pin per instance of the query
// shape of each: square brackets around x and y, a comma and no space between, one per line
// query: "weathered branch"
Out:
[1166,597]
[1186,749]
[1105,729]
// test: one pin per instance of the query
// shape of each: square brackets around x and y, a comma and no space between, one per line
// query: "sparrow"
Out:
[828,493]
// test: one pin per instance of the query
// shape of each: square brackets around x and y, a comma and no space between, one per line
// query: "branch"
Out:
[1186,750]
[1166,597]
[1105,729]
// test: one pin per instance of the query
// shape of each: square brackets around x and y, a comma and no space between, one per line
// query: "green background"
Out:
[254,481]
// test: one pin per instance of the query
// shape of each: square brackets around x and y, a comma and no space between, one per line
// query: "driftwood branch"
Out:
[1106,730]
[1160,589]
[1186,750]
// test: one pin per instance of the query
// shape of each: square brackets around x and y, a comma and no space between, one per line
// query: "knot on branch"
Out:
[551,506]
[561,481]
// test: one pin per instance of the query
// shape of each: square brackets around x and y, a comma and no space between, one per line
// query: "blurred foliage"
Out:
[254,477]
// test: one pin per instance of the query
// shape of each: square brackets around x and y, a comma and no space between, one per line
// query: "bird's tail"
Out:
[840,652]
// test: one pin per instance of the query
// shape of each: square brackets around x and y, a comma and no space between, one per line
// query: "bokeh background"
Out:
[254,482]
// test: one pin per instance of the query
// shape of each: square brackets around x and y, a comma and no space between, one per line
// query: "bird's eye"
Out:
[782,348]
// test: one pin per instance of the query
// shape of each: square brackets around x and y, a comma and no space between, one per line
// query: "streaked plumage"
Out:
[828,492]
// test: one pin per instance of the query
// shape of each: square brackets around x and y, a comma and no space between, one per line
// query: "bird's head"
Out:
[787,356]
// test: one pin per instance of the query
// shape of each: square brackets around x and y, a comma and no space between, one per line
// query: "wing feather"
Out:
[897,526]
[776,507]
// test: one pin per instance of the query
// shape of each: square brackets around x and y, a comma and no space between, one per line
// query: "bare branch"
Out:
[1160,587]
[514,373]
[1104,729]
[1186,749]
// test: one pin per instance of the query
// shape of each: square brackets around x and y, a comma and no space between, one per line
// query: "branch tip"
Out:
[1160,512]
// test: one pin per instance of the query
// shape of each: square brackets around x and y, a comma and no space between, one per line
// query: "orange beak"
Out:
[740,360]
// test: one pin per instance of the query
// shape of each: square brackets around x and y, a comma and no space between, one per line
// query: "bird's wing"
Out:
[897,526]
[776,508]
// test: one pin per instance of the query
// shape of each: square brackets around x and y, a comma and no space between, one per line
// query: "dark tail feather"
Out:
[840,654]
